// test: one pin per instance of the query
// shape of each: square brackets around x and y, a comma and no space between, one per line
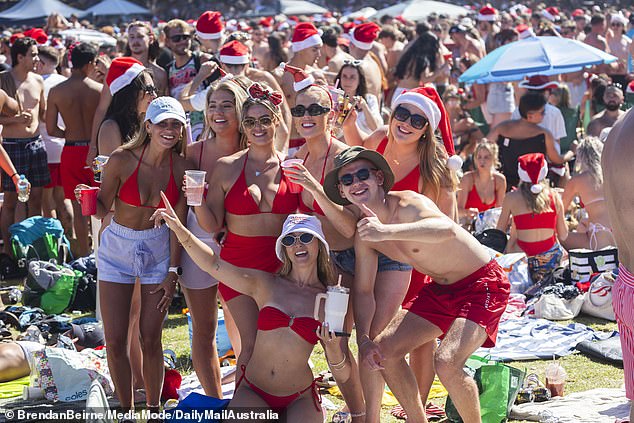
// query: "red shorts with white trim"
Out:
[480,297]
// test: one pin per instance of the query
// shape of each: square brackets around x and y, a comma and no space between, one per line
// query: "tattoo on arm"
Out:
[217,265]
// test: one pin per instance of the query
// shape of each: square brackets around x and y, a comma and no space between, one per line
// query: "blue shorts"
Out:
[29,158]
[126,254]
[345,260]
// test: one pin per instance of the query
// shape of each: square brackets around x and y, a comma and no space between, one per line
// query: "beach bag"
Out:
[85,298]
[66,375]
[50,287]
[39,238]
[584,262]
[498,385]
[598,300]
[493,238]
[196,402]
[553,307]
[515,266]
[9,268]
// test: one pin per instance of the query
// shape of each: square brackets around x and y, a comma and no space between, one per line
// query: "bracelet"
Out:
[339,365]
[189,235]
[11,177]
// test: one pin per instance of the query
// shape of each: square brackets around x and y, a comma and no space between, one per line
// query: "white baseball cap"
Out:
[162,108]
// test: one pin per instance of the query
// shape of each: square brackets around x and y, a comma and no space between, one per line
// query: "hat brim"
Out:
[168,115]
[331,181]
[544,86]
[278,243]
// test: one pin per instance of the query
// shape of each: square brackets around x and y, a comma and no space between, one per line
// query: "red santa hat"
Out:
[347,27]
[15,37]
[578,12]
[305,36]
[122,72]
[551,13]
[209,26]
[362,36]
[538,82]
[524,31]
[488,13]
[428,100]
[37,34]
[301,79]
[267,23]
[234,53]
[532,168]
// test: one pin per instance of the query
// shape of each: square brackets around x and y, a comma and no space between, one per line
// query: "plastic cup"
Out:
[89,200]
[32,393]
[292,186]
[195,186]
[556,389]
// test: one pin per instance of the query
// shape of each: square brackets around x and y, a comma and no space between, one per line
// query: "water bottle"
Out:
[23,189]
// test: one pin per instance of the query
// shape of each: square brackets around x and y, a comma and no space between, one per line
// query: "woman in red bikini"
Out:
[420,163]
[278,375]
[131,247]
[249,194]
[222,137]
[538,214]
[483,188]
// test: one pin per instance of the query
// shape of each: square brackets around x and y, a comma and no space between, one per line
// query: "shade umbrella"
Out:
[89,36]
[535,56]
[36,10]
[418,10]
[117,7]
[287,7]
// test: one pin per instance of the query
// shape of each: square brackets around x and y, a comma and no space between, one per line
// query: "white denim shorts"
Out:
[126,254]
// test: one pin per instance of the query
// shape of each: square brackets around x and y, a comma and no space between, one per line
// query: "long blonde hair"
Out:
[589,159]
[492,148]
[236,88]
[142,138]
[537,203]
[325,270]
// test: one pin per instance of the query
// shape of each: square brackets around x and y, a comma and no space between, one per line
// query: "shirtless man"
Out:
[617,157]
[393,47]
[22,140]
[260,48]
[619,46]
[306,46]
[76,99]
[332,56]
[144,47]
[362,38]
[596,37]
[467,45]
[464,301]
[613,99]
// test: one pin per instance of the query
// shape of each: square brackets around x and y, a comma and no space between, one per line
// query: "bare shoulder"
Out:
[36,78]
[376,137]
[409,205]
[156,69]
[467,178]
[498,177]
[110,128]
[193,150]
[339,146]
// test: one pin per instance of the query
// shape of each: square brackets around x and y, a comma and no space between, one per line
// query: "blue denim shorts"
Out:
[126,254]
[345,260]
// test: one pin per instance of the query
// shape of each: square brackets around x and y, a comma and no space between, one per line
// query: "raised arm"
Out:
[247,281]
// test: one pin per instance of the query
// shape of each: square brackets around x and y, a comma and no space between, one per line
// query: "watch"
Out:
[176,269]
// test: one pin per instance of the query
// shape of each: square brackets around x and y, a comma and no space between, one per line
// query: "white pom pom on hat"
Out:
[532,168]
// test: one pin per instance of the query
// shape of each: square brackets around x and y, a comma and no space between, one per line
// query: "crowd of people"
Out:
[395,159]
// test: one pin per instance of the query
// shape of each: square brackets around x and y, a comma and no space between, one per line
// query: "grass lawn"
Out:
[584,373]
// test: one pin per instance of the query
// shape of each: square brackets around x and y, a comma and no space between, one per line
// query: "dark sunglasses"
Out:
[313,110]
[180,37]
[264,121]
[150,90]
[402,115]
[304,238]
[348,62]
[361,175]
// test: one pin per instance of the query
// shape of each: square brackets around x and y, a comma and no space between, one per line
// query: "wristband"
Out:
[15,173]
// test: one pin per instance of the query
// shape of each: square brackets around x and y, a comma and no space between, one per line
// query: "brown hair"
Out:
[537,203]
[250,101]
[173,24]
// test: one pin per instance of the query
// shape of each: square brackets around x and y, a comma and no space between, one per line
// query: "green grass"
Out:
[584,373]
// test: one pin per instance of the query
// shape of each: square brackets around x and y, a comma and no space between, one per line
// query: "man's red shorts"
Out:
[73,168]
[480,297]
[56,178]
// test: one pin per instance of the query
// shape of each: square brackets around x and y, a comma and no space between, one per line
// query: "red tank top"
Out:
[129,191]
[546,220]
[410,181]
[475,202]
[240,202]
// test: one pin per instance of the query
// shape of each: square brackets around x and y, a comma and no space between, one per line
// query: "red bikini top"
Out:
[410,181]
[129,191]
[474,201]
[271,318]
[546,220]
[239,200]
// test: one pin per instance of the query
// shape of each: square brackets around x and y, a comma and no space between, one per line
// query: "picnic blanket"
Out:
[533,339]
[602,405]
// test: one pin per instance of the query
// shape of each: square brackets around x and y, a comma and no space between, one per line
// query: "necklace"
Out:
[266,168]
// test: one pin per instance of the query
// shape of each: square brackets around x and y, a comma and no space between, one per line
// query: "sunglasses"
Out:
[264,121]
[180,37]
[313,110]
[348,62]
[361,175]
[304,238]
[150,90]
[417,121]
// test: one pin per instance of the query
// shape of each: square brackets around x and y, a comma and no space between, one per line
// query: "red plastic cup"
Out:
[292,186]
[88,200]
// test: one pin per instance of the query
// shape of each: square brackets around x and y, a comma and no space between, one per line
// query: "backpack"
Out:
[39,238]
[50,287]
[9,268]
[85,294]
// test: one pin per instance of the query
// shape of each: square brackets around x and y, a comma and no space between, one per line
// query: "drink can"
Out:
[97,167]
